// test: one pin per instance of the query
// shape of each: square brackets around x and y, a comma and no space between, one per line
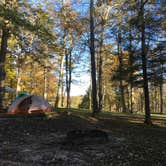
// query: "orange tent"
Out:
[29,104]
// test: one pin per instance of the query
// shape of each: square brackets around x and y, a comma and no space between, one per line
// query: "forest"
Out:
[121,44]
[114,51]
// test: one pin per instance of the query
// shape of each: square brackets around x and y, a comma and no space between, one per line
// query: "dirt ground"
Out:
[41,141]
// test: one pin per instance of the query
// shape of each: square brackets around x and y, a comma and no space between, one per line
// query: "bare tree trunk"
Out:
[31,80]
[62,70]
[59,81]
[161,98]
[4,40]
[70,78]
[90,95]
[45,83]
[104,96]
[57,94]
[100,74]
[93,60]
[161,90]
[62,86]
[144,67]
[100,93]
[131,73]
[122,96]
[128,98]
[62,94]
[18,86]
[67,79]
[121,86]
[68,57]
[156,99]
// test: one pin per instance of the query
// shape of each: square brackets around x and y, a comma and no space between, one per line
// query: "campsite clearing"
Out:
[39,140]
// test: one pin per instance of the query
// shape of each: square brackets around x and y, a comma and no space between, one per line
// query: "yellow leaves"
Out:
[12,42]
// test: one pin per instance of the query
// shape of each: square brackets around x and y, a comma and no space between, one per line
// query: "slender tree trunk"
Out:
[161,98]
[122,96]
[62,70]
[131,73]
[90,96]
[121,86]
[93,60]
[100,93]
[104,96]
[62,94]
[70,77]
[155,99]
[45,83]
[161,90]
[18,86]
[31,80]
[67,79]
[57,94]
[128,98]
[100,74]
[4,40]
[62,86]
[60,79]
[144,67]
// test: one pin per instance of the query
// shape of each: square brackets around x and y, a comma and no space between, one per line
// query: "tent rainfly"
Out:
[29,104]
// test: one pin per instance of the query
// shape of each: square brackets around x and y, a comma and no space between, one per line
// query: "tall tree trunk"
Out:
[100,93]
[62,69]
[70,77]
[57,94]
[62,93]
[121,86]
[67,79]
[60,79]
[90,95]
[45,83]
[18,86]
[144,66]
[131,72]
[62,86]
[68,57]
[128,97]
[4,40]
[100,74]
[122,96]
[93,60]
[161,90]
[161,98]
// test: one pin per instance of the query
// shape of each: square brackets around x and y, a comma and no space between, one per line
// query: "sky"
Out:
[81,86]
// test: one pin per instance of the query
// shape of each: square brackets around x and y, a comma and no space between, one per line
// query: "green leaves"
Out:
[13,19]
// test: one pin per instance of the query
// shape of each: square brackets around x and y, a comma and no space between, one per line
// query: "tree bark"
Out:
[144,66]
[68,58]
[18,86]
[59,81]
[45,83]
[70,77]
[62,86]
[4,40]
[161,90]
[131,73]
[121,86]
[93,60]
[100,74]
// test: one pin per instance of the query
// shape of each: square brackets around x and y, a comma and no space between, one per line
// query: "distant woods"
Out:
[44,44]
